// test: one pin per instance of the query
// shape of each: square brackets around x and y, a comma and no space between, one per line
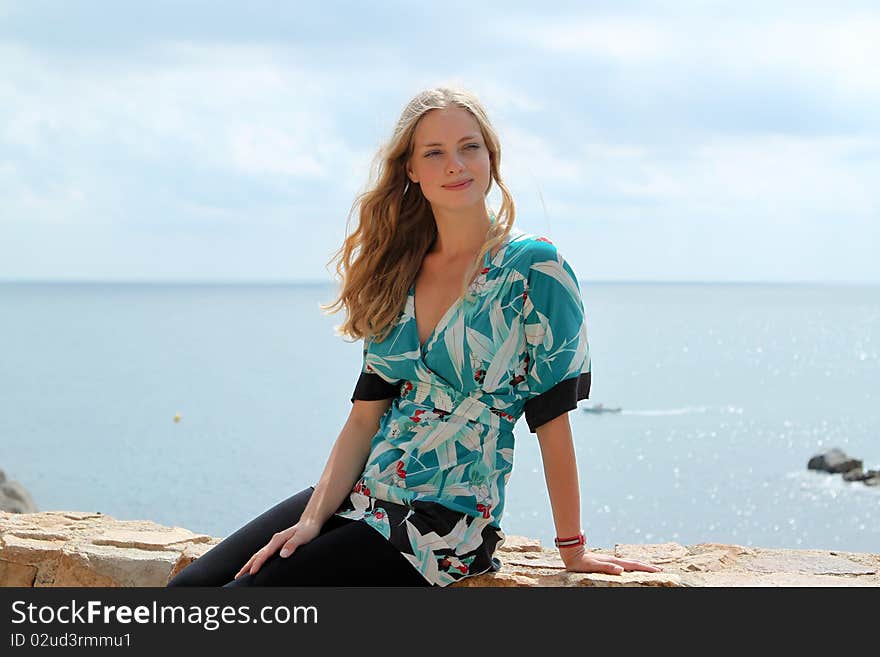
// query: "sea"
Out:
[201,405]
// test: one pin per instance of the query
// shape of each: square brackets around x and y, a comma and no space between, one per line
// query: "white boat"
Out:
[600,408]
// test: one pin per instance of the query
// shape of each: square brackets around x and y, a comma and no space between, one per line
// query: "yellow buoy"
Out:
[177,417]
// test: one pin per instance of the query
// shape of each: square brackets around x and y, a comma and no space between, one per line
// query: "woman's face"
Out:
[449,148]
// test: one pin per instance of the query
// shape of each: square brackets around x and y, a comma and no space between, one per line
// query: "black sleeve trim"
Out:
[371,387]
[561,398]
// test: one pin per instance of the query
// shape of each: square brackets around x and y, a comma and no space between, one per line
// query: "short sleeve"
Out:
[372,386]
[559,366]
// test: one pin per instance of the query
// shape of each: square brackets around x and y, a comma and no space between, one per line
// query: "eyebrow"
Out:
[459,141]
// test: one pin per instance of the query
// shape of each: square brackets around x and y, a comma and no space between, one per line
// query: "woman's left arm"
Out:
[561,475]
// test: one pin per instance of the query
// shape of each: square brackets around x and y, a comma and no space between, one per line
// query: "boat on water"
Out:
[600,408]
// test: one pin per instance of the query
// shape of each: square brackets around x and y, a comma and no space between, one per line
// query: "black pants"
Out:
[345,553]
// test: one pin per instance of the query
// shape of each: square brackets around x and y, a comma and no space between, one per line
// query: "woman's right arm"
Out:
[347,460]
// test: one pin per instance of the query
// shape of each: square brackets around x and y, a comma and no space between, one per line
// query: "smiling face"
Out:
[449,148]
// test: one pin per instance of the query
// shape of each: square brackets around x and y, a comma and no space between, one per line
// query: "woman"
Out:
[468,323]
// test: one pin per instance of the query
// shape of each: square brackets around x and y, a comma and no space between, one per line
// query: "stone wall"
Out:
[70,548]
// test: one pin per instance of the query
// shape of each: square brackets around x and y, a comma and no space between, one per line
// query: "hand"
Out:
[578,560]
[291,538]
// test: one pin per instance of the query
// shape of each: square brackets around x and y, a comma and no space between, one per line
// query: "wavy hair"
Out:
[379,260]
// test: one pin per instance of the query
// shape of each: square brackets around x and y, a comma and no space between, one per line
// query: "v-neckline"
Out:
[487,262]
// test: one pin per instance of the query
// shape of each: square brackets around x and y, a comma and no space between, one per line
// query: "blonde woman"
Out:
[468,324]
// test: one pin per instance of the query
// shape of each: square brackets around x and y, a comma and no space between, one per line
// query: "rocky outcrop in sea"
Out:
[13,496]
[835,461]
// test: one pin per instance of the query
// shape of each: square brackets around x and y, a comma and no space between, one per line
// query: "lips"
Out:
[460,185]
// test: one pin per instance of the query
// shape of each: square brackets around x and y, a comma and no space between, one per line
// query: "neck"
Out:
[460,233]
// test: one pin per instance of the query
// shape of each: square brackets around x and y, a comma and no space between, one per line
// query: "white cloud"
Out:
[779,178]
[228,108]
[288,134]
[837,54]
[525,154]
[842,50]
[618,38]
[802,176]
[257,149]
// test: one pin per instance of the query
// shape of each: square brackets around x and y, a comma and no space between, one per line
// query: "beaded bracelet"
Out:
[573,541]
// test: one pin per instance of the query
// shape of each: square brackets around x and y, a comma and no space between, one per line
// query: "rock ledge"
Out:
[70,548]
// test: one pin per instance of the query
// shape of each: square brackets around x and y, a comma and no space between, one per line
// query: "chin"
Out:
[465,204]
[460,201]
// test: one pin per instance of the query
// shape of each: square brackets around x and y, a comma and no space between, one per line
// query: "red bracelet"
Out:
[573,541]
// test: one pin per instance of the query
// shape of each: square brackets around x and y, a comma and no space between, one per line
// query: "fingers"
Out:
[603,563]
[254,564]
[260,557]
[289,540]
[618,565]
[611,568]
[258,563]
[638,565]
[245,567]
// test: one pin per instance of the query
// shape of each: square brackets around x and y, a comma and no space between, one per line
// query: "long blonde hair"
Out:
[379,260]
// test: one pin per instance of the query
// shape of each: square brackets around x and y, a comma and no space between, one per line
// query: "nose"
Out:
[454,164]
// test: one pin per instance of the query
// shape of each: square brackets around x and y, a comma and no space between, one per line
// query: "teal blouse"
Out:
[515,344]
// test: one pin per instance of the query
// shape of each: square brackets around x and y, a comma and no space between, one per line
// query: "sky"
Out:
[650,141]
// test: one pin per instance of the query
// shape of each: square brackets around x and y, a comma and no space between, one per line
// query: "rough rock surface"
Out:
[69,548]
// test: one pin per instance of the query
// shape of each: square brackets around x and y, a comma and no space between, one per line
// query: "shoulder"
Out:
[526,249]
[546,272]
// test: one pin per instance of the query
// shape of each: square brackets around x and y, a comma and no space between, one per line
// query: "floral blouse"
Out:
[515,344]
